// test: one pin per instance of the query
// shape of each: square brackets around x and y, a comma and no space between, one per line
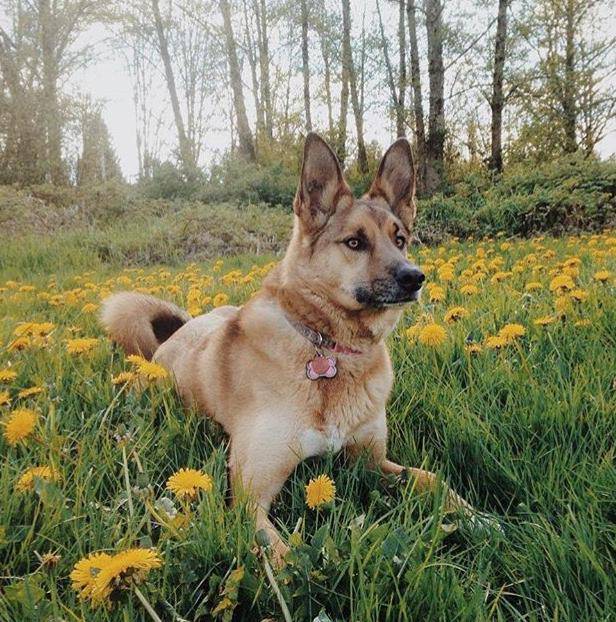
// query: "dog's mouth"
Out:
[379,296]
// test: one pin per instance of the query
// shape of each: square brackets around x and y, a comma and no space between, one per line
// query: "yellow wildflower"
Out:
[432,335]
[124,377]
[469,290]
[544,320]
[510,332]
[19,425]
[147,369]
[454,314]
[220,300]
[81,345]
[7,375]
[602,276]
[30,391]
[561,283]
[320,491]
[5,398]
[186,482]
[495,342]
[26,480]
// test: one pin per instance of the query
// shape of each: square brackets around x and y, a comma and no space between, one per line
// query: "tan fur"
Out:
[245,367]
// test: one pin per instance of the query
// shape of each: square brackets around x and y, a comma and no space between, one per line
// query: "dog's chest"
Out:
[317,441]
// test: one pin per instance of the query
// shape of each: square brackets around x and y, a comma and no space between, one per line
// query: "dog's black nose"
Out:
[409,278]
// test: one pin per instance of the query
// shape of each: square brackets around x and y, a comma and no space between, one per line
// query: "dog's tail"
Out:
[140,323]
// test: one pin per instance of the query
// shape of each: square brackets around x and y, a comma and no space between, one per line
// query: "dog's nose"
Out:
[409,277]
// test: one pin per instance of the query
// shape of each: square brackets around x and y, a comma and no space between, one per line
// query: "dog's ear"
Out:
[395,181]
[321,184]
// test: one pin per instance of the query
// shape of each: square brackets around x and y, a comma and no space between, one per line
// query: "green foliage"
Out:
[568,195]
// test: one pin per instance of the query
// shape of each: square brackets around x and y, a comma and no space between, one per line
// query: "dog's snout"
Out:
[409,277]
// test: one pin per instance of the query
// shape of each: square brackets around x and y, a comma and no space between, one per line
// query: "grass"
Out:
[525,432]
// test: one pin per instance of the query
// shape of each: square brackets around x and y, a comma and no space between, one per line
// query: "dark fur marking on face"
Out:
[164,325]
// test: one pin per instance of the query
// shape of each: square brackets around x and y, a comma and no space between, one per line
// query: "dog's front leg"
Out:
[261,461]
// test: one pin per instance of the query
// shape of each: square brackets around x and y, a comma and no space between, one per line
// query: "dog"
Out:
[302,368]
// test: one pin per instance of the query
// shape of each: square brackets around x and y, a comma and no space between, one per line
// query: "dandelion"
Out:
[27,479]
[89,307]
[582,323]
[579,295]
[469,290]
[561,283]
[495,342]
[147,369]
[186,483]
[124,377]
[544,320]
[220,299]
[21,343]
[320,491]
[85,572]
[411,332]
[30,391]
[5,398]
[533,286]
[499,277]
[436,293]
[602,276]
[81,345]
[34,329]
[454,314]
[432,335]
[511,332]
[7,375]
[122,571]
[19,425]
[472,348]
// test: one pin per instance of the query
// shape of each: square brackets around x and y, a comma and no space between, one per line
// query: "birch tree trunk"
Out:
[306,65]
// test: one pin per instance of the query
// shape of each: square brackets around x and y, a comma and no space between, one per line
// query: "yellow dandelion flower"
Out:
[89,307]
[5,398]
[220,299]
[124,377]
[602,276]
[147,369]
[561,283]
[81,345]
[124,569]
[320,491]
[499,277]
[21,343]
[186,483]
[34,329]
[495,342]
[510,332]
[19,425]
[454,314]
[582,323]
[472,348]
[411,332]
[469,290]
[579,295]
[432,335]
[26,480]
[544,320]
[85,572]
[7,375]
[562,304]
[30,391]
[436,293]
[533,286]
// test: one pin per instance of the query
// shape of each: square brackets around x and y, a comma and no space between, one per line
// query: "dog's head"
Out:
[354,251]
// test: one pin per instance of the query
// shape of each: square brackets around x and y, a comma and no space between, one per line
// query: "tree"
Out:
[498,99]
[246,143]
[435,142]
[351,75]
[306,64]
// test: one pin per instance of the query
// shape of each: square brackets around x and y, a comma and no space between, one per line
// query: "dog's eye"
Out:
[353,243]
[400,241]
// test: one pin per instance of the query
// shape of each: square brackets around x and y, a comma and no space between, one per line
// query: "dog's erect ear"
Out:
[321,185]
[395,181]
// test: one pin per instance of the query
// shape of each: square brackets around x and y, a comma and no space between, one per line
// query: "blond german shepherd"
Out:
[302,368]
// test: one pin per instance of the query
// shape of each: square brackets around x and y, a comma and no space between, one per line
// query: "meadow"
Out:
[505,384]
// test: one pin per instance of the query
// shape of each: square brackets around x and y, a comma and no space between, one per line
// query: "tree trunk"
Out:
[264,62]
[435,145]
[327,79]
[420,132]
[400,112]
[344,113]
[50,104]
[347,55]
[186,151]
[569,88]
[497,102]
[306,65]
[252,61]
[246,143]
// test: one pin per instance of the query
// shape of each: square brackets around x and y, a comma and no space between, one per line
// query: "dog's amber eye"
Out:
[353,243]
[400,241]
